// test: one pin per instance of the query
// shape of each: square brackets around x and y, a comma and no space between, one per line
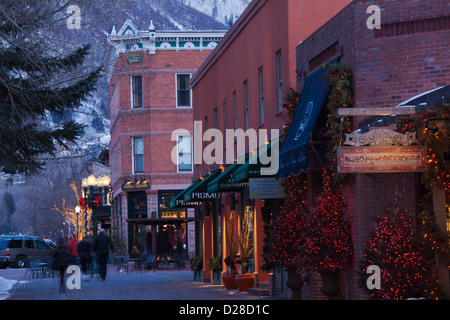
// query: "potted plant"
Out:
[245,279]
[215,265]
[197,267]
[229,276]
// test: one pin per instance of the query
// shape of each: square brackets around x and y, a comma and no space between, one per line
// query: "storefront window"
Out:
[165,211]
[137,204]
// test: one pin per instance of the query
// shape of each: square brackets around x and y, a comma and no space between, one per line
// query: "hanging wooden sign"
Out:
[382,159]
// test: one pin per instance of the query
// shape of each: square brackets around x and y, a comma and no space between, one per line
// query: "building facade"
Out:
[240,86]
[401,63]
[150,98]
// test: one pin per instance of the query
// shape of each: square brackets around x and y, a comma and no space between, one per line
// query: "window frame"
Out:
[261,95]
[279,79]
[246,123]
[135,154]
[140,93]
[177,90]
[178,154]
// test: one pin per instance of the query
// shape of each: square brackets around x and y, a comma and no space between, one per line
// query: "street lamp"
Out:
[91,181]
[77,211]
[96,187]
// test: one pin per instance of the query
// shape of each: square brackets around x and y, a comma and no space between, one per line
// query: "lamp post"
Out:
[93,187]
[77,211]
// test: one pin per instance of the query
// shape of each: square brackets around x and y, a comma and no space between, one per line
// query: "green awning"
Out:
[225,181]
[178,201]
[253,168]
[200,193]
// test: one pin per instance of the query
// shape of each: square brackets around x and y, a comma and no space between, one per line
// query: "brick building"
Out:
[241,86]
[150,97]
[406,58]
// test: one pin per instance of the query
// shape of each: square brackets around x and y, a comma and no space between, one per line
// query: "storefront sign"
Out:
[134,58]
[265,188]
[136,186]
[382,159]
[204,195]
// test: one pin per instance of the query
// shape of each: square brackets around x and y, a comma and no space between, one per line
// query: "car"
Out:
[18,250]
[50,243]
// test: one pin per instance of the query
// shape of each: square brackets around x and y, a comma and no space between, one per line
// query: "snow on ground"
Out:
[5,286]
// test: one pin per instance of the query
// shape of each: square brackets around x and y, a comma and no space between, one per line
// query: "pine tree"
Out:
[394,247]
[328,244]
[37,79]
[287,229]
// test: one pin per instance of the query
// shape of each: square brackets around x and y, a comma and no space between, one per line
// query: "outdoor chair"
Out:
[124,264]
[34,270]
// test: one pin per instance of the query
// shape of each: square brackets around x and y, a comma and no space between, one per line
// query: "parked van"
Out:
[17,251]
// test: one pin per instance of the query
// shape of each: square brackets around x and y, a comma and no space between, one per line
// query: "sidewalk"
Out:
[159,285]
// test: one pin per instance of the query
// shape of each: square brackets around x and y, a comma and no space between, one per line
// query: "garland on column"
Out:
[434,133]
[340,96]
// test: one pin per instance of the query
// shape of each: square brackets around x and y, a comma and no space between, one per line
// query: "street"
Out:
[158,285]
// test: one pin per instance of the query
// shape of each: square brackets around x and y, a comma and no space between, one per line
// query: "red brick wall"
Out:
[408,56]
[158,118]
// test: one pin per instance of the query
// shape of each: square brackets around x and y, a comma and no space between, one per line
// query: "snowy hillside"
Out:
[224,11]
[99,16]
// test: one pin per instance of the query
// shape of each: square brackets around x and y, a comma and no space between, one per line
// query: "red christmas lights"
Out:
[328,243]
[395,249]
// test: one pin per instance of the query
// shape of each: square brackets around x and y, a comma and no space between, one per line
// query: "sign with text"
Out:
[136,186]
[265,188]
[382,159]
[134,58]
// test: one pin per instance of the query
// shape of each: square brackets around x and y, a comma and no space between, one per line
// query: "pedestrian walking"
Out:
[60,262]
[85,256]
[73,249]
[102,245]
[163,243]
[180,247]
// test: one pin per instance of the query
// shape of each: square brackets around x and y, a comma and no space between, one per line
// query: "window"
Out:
[261,96]
[225,124]
[184,153]
[246,104]
[235,110]
[183,90]
[41,245]
[279,81]
[138,155]
[29,244]
[136,91]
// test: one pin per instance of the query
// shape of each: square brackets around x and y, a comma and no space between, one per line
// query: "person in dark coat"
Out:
[85,254]
[102,245]
[163,243]
[60,262]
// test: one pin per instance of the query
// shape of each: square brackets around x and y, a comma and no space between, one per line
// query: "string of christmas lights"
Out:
[401,257]
[328,243]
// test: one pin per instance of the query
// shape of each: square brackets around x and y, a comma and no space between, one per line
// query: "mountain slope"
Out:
[224,11]
[97,19]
